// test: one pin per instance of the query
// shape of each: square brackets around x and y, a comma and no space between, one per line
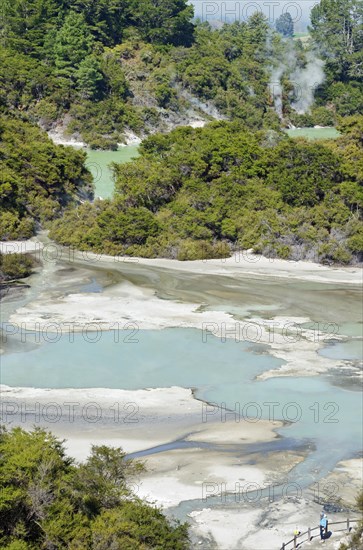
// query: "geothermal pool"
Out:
[98,163]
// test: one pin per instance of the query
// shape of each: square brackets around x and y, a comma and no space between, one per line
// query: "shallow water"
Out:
[132,359]
[324,416]
[349,351]
[222,373]
[314,133]
[98,163]
[280,444]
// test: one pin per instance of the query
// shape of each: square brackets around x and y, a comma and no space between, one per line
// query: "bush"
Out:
[332,252]
[15,266]
[38,178]
[301,121]
[323,116]
[356,539]
[47,501]
[194,193]
[12,227]
[47,112]
[202,250]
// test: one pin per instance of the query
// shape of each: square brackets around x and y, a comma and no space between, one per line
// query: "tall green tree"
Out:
[47,501]
[106,19]
[337,29]
[73,43]
[163,21]
[24,24]
[285,25]
[89,78]
[37,178]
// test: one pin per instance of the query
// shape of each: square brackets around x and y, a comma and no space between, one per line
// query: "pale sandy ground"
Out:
[130,139]
[185,474]
[255,528]
[266,527]
[240,264]
[347,480]
[58,137]
[247,263]
[134,420]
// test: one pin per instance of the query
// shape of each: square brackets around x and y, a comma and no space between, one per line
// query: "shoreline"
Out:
[125,302]
[96,410]
[244,262]
[59,137]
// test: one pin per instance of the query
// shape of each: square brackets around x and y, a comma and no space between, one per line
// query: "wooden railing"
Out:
[297,540]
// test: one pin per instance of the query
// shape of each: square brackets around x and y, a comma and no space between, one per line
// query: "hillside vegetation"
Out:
[37,178]
[200,193]
[99,69]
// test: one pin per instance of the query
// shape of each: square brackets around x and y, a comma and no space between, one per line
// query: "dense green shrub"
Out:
[199,193]
[37,178]
[48,501]
[323,116]
[15,266]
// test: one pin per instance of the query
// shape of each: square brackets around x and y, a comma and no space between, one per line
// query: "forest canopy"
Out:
[98,69]
[101,68]
[199,193]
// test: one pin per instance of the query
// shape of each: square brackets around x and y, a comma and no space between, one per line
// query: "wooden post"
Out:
[309,534]
[283,546]
[348,525]
[295,542]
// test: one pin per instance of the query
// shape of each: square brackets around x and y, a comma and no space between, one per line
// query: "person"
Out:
[323,526]
[326,524]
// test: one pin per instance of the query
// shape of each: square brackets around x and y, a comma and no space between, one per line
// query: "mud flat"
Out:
[183,455]
[346,481]
[155,297]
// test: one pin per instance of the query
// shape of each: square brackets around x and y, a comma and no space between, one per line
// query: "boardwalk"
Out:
[311,538]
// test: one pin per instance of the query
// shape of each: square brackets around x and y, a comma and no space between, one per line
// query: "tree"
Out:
[25,23]
[285,25]
[106,19]
[163,21]
[337,29]
[15,266]
[47,501]
[356,539]
[303,173]
[194,192]
[73,43]
[89,78]
[37,178]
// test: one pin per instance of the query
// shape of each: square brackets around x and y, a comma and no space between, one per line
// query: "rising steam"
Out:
[304,80]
